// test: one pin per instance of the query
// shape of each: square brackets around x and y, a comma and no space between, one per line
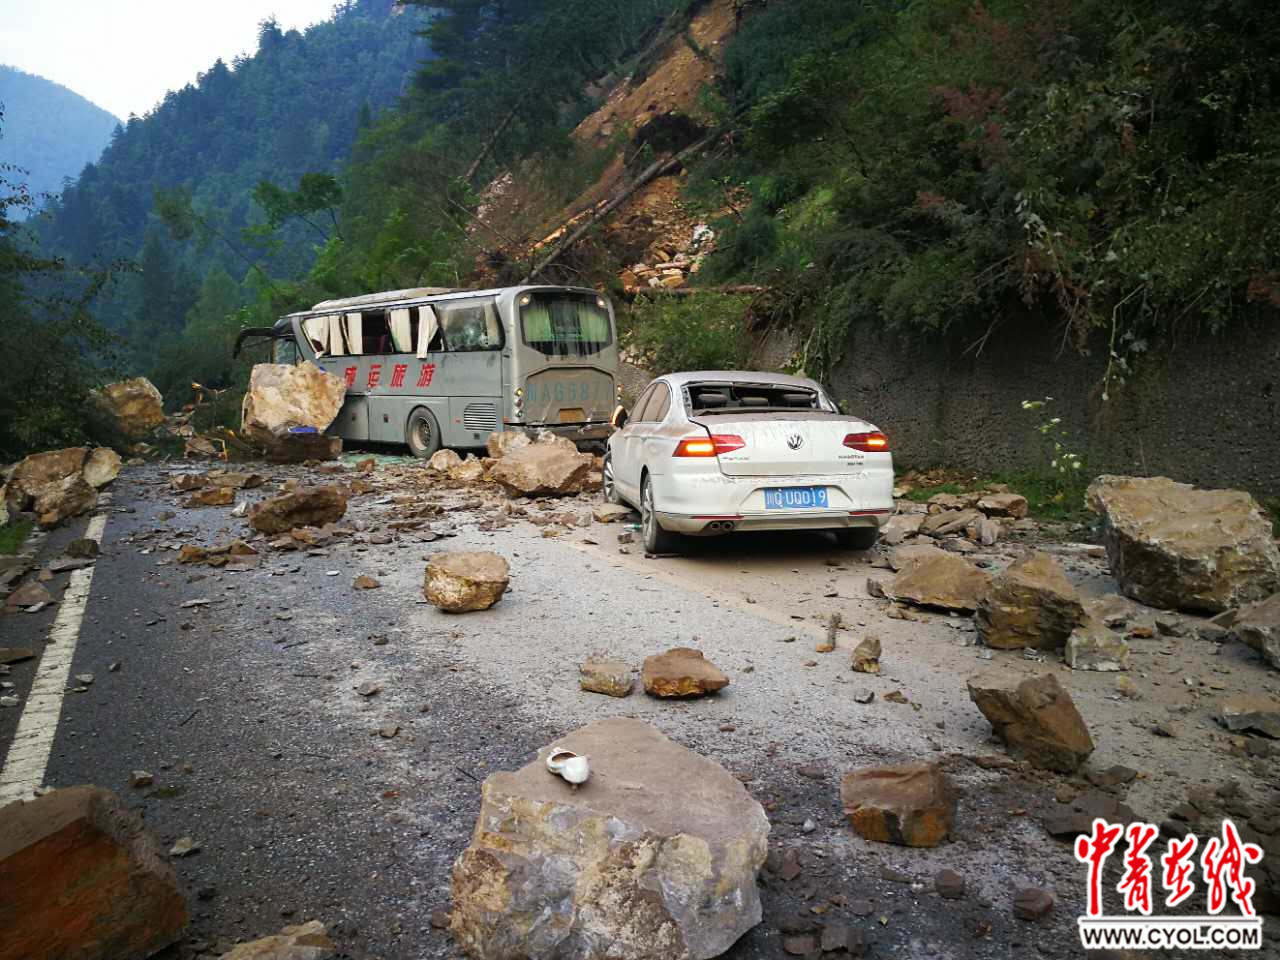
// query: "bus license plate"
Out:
[795,498]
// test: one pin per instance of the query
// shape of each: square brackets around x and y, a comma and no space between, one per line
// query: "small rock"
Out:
[1250,713]
[140,778]
[84,678]
[866,655]
[184,847]
[1032,903]
[863,696]
[909,804]
[364,582]
[466,581]
[309,941]
[949,884]
[681,672]
[610,677]
[1035,716]
[369,688]
[609,512]
[388,730]
[1092,646]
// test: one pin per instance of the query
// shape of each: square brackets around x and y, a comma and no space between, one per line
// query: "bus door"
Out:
[471,370]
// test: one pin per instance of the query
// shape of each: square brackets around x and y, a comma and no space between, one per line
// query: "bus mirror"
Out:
[619,418]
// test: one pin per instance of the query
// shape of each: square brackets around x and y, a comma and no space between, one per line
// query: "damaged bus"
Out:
[438,368]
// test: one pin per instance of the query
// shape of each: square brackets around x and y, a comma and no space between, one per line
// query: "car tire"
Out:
[422,433]
[656,540]
[857,538]
[609,486]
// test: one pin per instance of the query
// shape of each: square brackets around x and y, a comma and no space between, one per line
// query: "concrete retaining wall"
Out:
[1201,409]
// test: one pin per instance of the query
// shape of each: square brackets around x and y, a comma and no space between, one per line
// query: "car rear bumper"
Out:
[716,524]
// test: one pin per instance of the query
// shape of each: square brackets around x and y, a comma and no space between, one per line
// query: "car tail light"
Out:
[711,446]
[868,442]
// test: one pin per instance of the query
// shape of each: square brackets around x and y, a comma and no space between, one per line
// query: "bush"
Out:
[705,332]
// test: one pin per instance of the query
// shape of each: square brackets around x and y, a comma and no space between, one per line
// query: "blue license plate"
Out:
[795,498]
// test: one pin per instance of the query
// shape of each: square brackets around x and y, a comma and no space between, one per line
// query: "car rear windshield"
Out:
[559,324]
[742,397]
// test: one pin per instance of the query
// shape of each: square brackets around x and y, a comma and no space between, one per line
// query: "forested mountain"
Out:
[50,132]
[929,167]
[293,107]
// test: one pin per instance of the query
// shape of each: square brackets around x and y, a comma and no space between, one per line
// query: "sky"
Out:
[124,55]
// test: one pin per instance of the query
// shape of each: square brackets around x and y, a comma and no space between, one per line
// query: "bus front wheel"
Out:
[422,433]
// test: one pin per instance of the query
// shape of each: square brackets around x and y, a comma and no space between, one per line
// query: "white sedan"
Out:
[715,451]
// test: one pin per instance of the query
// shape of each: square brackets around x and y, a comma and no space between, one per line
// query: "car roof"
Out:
[749,376]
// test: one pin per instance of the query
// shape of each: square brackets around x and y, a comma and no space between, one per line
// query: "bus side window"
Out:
[422,319]
[470,327]
[375,333]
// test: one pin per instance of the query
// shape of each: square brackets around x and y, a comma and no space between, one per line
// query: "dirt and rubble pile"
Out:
[128,410]
[1174,546]
[1035,716]
[655,857]
[80,877]
[282,398]
[304,507]
[550,466]
[910,804]
[464,581]
[1030,604]
[58,484]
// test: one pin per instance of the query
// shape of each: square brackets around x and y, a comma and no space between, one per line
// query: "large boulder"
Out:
[282,397]
[937,579]
[130,409]
[500,444]
[653,858]
[80,877]
[463,581]
[1258,626]
[1035,716]
[304,507]
[910,803]
[549,467]
[52,485]
[1030,604]
[681,672]
[101,467]
[1172,545]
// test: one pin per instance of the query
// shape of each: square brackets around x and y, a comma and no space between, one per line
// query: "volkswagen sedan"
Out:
[712,452]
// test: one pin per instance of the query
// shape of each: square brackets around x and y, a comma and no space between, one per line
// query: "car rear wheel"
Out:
[608,486]
[857,538]
[656,540]
[422,433]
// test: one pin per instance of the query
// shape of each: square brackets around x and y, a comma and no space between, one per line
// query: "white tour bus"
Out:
[445,368]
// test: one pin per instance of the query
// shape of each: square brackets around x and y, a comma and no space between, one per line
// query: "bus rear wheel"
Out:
[422,433]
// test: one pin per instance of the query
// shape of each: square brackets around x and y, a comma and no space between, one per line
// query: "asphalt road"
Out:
[244,709]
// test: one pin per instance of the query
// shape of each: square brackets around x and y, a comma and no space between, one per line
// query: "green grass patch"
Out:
[14,535]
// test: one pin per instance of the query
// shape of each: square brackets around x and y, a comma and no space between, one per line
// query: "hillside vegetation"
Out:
[937,168]
[50,132]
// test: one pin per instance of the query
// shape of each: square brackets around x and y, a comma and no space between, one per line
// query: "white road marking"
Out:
[28,756]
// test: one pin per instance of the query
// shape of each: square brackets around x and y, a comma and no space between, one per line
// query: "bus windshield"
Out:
[560,324]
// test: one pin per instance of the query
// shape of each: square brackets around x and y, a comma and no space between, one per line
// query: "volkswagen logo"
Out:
[795,441]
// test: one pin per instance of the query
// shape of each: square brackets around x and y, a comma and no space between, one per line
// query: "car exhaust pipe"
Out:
[720,526]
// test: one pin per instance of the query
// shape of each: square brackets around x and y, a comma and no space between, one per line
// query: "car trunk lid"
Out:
[800,443]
